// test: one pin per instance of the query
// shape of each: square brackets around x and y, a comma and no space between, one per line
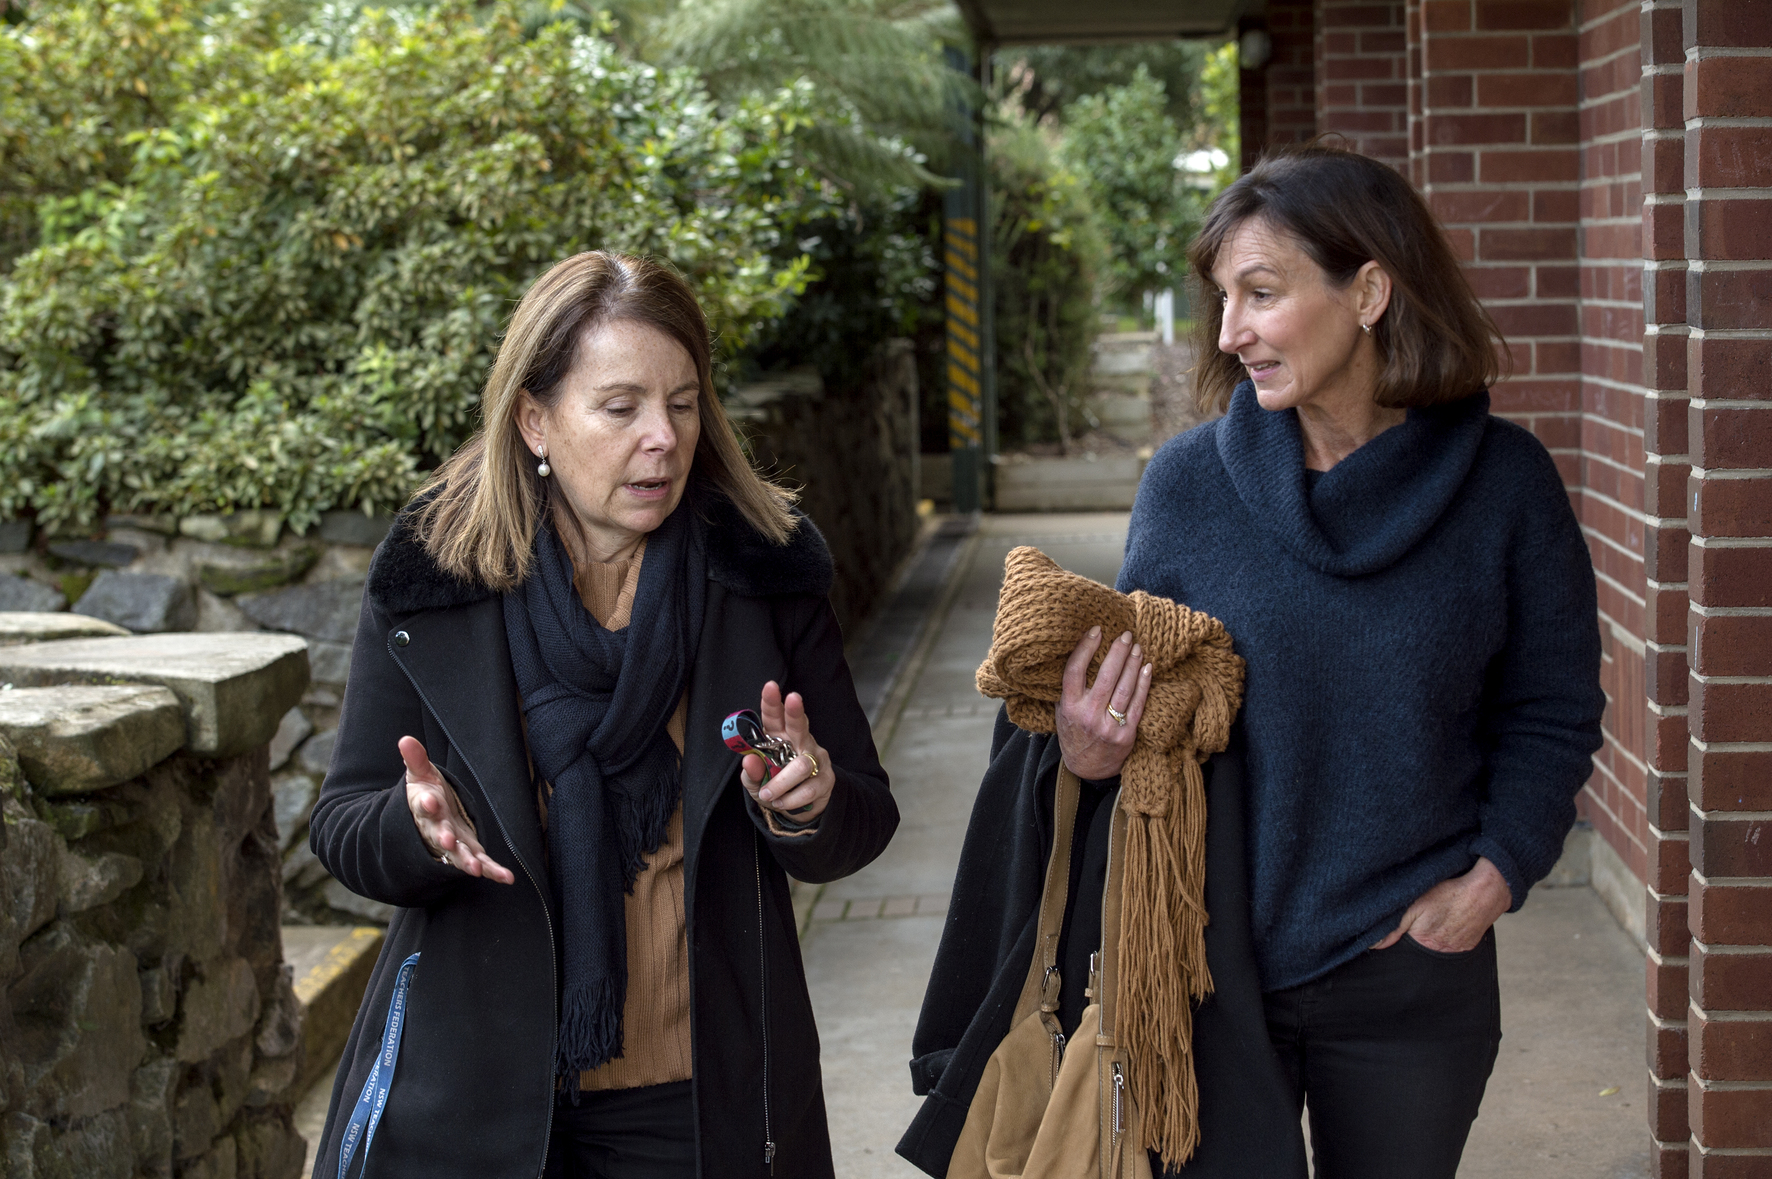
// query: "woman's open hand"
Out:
[804,782]
[1453,915]
[441,821]
[1095,744]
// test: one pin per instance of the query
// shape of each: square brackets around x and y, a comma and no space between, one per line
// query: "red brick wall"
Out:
[1727,241]
[1362,76]
[1624,539]
[1662,58]
[1495,129]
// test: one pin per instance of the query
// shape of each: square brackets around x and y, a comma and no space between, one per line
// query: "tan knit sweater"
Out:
[655,1020]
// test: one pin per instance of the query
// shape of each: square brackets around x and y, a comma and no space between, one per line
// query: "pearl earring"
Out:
[543,470]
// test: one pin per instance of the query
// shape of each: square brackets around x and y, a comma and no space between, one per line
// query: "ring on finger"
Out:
[446,861]
[813,761]
[1119,717]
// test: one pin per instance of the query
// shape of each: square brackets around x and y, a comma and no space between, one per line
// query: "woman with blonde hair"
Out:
[593,968]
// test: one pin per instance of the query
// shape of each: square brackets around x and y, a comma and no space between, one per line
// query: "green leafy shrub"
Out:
[271,262]
[1124,143]
[1047,256]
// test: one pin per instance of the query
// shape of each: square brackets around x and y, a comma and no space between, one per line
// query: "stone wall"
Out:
[230,574]
[147,1021]
[854,455]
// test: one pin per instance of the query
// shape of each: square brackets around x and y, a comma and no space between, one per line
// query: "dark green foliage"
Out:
[1047,253]
[271,263]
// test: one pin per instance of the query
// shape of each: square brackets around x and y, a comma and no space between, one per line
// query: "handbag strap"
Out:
[1106,984]
[1040,990]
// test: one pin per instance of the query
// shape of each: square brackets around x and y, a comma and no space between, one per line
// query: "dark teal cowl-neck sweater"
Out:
[1424,653]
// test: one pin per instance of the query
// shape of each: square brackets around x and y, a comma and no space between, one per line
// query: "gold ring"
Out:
[1118,716]
[814,762]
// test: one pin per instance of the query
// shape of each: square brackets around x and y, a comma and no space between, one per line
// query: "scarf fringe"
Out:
[1196,690]
[590,1030]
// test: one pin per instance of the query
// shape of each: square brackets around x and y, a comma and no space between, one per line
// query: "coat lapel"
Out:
[461,664]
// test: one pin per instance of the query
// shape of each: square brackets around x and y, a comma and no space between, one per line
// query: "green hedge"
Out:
[267,264]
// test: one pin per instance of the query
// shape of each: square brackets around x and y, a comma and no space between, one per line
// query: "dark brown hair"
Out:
[479,513]
[1436,341]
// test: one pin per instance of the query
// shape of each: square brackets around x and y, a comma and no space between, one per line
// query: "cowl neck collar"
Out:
[1363,515]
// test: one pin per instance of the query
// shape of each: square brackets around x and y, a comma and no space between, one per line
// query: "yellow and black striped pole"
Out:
[964,367]
[966,301]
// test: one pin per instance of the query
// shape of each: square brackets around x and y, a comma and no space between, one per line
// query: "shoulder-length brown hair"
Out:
[477,517]
[1436,341]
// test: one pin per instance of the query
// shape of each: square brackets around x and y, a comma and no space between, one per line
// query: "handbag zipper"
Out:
[763,990]
[1119,1115]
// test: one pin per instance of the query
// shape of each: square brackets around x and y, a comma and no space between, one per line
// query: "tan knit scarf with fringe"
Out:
[1196,689]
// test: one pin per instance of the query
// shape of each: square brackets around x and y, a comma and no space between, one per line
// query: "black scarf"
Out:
[597,703]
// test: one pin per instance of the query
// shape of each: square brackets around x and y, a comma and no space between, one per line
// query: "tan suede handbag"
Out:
[1045,1110]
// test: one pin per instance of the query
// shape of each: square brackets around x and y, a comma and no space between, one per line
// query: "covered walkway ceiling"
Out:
[1045,22]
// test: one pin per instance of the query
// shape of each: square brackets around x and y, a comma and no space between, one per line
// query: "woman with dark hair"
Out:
[1410,589]
[593,969]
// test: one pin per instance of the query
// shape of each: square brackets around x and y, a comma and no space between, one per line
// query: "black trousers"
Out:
[1391,1053]
[624,1134]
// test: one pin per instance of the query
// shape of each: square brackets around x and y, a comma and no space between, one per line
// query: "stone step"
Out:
[332,966]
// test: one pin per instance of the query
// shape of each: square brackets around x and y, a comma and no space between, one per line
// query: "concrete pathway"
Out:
[1566,1100]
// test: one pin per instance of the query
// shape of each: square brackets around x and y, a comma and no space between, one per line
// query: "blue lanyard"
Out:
[374,1100]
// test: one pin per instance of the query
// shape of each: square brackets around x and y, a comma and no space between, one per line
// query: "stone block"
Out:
[222,1162]
[159,996]
[279,1028]
[32,870]
[93,1148]
[160,525]
[147,603]
[22,593]
[257,528]
[220,1006]
[292,730]
[329,663]
[234,688]
[195,1121]
[353,527]
[315,757]
[268,571]
[77,738]
[324,610]
[109,554]
[151,1090]
[269,1148]
[88,882]
[78,1010]
[78,818]
[19,626]
[294,793]
[15,536]
[216,615]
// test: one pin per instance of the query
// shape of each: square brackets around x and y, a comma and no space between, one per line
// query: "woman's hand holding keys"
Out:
[441,821]
[805,782]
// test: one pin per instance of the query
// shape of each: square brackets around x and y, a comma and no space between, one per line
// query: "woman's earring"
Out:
[544,470]
[1367,328]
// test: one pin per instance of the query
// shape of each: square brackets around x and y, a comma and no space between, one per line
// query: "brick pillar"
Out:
[1498,163]
[1728,244]
[1278,101]
[1666,463]
[1363,76]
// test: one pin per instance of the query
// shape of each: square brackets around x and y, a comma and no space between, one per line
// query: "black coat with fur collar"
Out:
[474,1088]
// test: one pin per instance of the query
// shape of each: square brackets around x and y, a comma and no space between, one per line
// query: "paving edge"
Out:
[912,668]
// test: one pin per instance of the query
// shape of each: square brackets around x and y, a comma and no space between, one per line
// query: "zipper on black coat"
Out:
[763,991]
[553,952]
